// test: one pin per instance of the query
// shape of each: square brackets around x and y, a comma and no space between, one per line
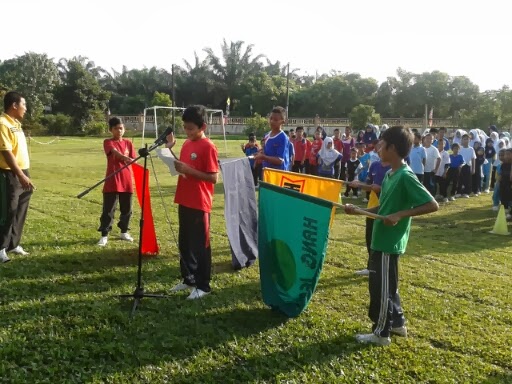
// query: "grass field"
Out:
[61,322]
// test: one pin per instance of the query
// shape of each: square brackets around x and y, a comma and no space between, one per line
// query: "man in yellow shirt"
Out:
[15,184]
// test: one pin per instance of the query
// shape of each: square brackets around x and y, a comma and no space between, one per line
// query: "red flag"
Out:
[149,243]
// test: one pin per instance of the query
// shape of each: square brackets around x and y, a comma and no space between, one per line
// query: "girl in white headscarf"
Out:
[327,158]
[458,136]
[474,138]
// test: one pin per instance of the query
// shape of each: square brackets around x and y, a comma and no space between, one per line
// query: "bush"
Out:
[58,125]
[361,115]
[95,128]
[257,125]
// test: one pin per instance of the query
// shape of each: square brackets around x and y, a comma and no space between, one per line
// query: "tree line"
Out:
[73,95]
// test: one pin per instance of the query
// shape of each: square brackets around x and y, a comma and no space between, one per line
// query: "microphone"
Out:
[162,139]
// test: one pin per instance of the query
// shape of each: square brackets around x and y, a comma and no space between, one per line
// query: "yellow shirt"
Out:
[13,139]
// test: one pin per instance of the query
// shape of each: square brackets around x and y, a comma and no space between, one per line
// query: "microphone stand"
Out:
[139,293]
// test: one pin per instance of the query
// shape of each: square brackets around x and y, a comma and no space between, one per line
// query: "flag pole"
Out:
[287,91]
[360,211]
[426,116]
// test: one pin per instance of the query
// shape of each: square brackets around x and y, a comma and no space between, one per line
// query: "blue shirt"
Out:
[249,151]
[446,144]
[277,146]
[417,155]
[327,170]
[291,151]
[364,167]
[456,161]
[377,172]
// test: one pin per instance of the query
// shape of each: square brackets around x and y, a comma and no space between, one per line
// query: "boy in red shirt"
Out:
[199,170]
[315,147]
[119,187]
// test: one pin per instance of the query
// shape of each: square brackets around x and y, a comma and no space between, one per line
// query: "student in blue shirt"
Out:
[452,176]
[250,149]
[276,153]
[418,157]
[328,158]
[440,136]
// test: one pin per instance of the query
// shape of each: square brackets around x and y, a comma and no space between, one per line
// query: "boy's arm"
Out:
[13,165]
[472,166]
[429,207]
[119,155]
[350,209]
[211,177]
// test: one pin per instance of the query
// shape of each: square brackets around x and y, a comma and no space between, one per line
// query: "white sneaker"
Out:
[465,196]
[458,195]
[486,191]
[3,256]
[496,208]
[354,197]
[399,331]
[181,287]
[372,338]
[365,200]
[126,236]
[19,251]
[103,241]
[445,200]
[452,198]
[363,272]
[197,294]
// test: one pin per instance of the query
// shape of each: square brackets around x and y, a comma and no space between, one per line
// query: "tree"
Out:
[362,114]
[230,70]
[80,95]
[257,125]
[35,76]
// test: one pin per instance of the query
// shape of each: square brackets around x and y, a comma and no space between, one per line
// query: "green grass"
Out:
[62,323]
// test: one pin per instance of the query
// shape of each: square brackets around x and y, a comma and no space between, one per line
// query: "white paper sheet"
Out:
[166,156]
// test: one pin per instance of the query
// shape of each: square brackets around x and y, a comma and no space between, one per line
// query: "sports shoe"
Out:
[372,338]
[486,191]
[438,197]
[458,195]
[181,287]
[445,200]
[496,208]
[465,196]
[354,196]
[103,241]
[3,256]
[126,236]
[19,251]
[399,331]
[365,200]
[452,198]
[363,272]
[197,294]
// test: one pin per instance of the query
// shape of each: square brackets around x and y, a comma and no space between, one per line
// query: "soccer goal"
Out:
[210,115]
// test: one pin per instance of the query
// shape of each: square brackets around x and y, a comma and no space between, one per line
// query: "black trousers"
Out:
[476,182]
[452,178]
[109,208]
[343,171]
[420,177]
[298,167]
[349,188]
[195,250]
[443,187]
[368,238]
[505,192]
[385,308]
[493,176]
[14,202]
[429,182]
[464,187]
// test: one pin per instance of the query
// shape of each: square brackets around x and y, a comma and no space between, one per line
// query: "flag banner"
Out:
[149,243]
[373,201]
[293,230]
[240,212]
[322,187]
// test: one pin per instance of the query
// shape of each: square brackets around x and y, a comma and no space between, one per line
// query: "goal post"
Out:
[209,114]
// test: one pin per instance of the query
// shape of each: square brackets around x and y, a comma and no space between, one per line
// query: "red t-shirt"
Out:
[300,147]
[191,192]
[121,182]
[315,148]
[338,145]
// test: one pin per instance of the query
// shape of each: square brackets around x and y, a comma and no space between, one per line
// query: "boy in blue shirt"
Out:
[250,149]
[402,197]
[276,153]
[452,176]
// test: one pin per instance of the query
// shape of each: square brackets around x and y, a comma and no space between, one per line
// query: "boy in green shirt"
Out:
[402,196]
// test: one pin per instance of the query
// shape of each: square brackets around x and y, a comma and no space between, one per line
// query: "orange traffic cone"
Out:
[500,226]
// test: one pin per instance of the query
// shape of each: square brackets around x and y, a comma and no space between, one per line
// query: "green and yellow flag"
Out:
[293,230]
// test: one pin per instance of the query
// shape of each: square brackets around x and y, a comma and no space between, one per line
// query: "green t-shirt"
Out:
[401,190]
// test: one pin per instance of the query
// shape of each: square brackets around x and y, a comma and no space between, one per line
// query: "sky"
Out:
[370,37]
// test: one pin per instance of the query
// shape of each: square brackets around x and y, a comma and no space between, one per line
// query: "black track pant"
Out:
[195,250]
[465,180]
[385,309]
[368,236]
[109,209]
[14,202]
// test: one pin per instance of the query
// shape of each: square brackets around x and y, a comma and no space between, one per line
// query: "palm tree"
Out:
[235,65]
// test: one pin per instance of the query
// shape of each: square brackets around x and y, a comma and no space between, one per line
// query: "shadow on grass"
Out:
[93,336]
[499,378]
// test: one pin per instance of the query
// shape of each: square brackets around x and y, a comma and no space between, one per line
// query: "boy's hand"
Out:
[182,167]
[392,220]
[171,140]
[350,209]
[375,188]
